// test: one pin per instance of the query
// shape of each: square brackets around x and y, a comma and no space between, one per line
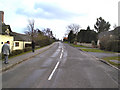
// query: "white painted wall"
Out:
[21,45]
[4,39]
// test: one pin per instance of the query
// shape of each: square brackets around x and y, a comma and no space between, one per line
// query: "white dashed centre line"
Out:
[56,66]
[53,71]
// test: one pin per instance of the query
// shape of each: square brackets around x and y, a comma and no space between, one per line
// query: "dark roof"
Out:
[21,37]
[4,28]
[115,32]
[17,36]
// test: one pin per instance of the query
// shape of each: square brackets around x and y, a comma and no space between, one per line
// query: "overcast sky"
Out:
[58,14]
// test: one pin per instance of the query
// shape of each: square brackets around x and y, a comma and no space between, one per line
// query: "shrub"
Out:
[27,49]
[44,42]
[16,52]
[93,44]
[113,45]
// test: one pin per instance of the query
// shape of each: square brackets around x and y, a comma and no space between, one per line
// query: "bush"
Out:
[93,44]
[44,42]
[113,45]
[110,45]
[27,49]
[16,52]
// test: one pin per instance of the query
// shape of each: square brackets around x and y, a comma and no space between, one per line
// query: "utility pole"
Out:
[119,13]
[0,32]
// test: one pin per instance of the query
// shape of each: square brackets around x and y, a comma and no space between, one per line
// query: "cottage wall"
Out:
[4,39]
[0,27]
[21,45]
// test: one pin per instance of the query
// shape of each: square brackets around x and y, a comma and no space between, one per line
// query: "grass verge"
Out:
[79,46]
[95,50]
[112,58]
[65,42]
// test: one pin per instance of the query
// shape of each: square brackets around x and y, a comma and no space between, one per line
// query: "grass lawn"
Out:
[65,42]
[95,50]
[112,58]
[88,49]
[79,46]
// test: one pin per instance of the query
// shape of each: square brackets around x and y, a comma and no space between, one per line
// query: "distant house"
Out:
[17,40]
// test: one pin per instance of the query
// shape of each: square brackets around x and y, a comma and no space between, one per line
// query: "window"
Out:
[16,44]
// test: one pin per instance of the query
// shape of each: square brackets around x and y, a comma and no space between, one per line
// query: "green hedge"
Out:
[16,52]
[40,43]
[27,49]
[44,42]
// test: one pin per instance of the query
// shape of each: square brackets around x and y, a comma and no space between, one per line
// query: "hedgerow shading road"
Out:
[62,66]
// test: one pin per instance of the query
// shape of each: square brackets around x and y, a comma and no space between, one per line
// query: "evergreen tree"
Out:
[101,25]
[88,28]
[86,36]
[71,37]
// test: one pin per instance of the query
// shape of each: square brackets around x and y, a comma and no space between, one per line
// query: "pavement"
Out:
[19,59]
[99,56]
[102,55]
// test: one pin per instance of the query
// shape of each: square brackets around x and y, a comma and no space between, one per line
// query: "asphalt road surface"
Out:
[62,66]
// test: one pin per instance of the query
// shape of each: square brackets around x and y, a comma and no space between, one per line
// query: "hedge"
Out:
[110,45]
[113,45]
[16,52]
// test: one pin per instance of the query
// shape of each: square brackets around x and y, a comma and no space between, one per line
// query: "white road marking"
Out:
[51,75]
[53,71]
[62,50]
[61,55]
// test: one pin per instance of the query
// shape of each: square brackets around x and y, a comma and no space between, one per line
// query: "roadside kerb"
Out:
[102,60]
[14,64]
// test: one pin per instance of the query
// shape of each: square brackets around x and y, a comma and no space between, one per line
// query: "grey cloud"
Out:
[22,11]
[48,11]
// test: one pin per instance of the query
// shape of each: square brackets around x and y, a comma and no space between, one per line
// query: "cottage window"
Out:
[16,44]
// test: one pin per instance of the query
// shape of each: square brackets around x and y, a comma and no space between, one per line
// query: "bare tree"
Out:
[74,27]
[114,26]
[48,32]
[30,29]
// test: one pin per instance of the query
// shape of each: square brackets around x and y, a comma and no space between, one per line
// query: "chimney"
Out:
[1,20]
[2,16]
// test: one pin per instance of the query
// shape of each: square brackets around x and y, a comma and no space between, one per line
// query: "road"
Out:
[62,66]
